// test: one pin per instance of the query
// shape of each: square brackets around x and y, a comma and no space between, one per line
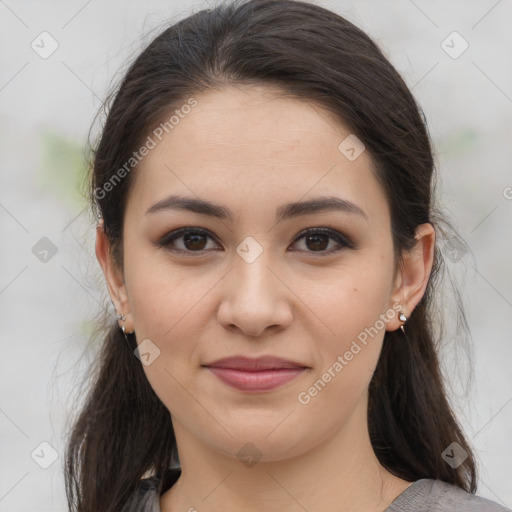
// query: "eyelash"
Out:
[342,240]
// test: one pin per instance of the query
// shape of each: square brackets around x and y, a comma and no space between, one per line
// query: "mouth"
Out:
[255,375]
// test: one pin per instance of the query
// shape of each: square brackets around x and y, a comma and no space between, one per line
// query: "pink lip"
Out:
[255,375]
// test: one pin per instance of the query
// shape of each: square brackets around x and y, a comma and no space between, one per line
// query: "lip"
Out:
[255,364]
[255,374]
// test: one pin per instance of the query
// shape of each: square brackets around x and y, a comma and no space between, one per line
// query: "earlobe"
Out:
[113,275]
[414,274]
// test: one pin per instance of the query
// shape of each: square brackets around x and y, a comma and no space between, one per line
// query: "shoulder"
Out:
[428,495]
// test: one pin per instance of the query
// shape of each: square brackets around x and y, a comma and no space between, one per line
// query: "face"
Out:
[250,284]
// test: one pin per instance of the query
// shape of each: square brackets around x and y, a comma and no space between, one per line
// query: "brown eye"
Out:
[317,240]
[191,240]
[194,241]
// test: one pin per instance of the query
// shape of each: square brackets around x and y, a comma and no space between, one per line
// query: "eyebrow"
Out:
[284,212]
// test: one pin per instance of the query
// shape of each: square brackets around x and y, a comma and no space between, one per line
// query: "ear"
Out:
[412,277]
[113,276]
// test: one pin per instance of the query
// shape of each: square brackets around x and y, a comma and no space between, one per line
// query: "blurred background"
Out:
[59,60]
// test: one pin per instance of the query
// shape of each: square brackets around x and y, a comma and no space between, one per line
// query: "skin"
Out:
[247,149]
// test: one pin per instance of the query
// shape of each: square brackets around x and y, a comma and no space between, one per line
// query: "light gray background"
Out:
[46,109]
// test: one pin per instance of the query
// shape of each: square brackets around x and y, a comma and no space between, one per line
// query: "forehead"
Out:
[255,121]
[250,141]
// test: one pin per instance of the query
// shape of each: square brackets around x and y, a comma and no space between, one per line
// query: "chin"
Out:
[251,445]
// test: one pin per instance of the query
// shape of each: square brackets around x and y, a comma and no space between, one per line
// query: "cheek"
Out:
[353,298]
[355,308]
[168,309]
[170,306]
[347,359]
[332,396]
[164,299]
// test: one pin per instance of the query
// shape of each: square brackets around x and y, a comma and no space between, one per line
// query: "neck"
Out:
[341,474]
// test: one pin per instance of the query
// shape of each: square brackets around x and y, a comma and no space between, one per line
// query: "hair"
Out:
[306,52]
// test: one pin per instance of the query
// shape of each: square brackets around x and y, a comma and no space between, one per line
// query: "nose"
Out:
[254,298]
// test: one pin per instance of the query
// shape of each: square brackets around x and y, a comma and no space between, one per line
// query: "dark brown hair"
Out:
[307,52]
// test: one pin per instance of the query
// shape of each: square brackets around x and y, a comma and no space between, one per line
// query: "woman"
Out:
[267,233]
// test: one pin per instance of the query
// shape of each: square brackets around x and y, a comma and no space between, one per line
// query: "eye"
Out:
[192,240]
[195,240]
[317,239]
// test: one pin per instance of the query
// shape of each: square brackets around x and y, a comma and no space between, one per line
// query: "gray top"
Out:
[424,495]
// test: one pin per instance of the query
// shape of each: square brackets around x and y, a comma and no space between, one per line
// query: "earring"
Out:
[123,328]
[403,319]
